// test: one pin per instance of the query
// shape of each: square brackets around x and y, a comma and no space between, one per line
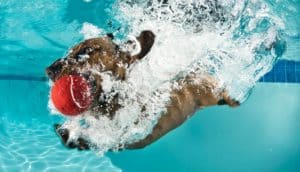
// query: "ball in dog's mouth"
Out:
[71,95]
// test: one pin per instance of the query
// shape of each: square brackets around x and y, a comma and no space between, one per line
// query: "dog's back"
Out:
[191,93]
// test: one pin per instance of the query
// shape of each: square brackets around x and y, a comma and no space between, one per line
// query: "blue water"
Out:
[261,135]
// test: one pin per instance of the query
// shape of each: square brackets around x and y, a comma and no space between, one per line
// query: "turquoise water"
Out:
[261,135]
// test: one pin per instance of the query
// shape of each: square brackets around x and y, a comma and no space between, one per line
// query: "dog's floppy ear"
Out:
[146,40]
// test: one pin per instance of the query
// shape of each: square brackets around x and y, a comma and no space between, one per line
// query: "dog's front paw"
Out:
[64,134]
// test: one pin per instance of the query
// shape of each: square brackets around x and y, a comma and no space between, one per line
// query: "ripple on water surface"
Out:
[35,147]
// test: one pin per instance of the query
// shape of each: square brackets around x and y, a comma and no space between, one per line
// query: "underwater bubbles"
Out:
[237,41]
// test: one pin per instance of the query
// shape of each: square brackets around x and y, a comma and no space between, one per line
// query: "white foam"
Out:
[90,31]
[87,1]
[181,39]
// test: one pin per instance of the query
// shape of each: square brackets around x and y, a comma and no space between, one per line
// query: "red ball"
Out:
[71,95]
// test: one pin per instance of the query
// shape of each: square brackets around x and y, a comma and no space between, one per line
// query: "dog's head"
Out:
[101,54]
[88,59]
[97,55]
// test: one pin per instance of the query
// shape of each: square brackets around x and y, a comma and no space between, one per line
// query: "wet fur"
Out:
[194,91]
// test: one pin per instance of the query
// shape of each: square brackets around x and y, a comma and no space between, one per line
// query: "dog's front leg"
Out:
[64,134]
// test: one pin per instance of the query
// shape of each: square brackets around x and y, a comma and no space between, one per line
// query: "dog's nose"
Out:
[53,70]
[50,73]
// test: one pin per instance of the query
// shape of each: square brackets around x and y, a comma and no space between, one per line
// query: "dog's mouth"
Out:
[55,69]
[92,80]
[59,68]
[55,73]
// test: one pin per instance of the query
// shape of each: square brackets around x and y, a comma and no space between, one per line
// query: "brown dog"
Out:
[192,92]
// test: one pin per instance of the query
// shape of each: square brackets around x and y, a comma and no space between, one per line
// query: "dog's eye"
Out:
[86,50]
[83,53]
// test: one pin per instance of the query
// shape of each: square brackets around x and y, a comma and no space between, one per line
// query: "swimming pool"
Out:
[261,135]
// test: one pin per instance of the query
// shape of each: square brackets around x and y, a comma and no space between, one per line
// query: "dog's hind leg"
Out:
[227,100]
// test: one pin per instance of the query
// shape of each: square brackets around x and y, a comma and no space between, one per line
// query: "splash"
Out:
[236,41]
[90,31]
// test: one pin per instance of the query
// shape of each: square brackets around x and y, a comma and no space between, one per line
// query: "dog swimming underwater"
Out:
[172,66]
[186,94]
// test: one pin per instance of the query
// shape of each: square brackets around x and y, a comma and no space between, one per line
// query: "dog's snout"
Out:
[50,73]
[53,70]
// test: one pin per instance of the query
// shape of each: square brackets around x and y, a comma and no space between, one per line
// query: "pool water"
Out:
[261,135]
